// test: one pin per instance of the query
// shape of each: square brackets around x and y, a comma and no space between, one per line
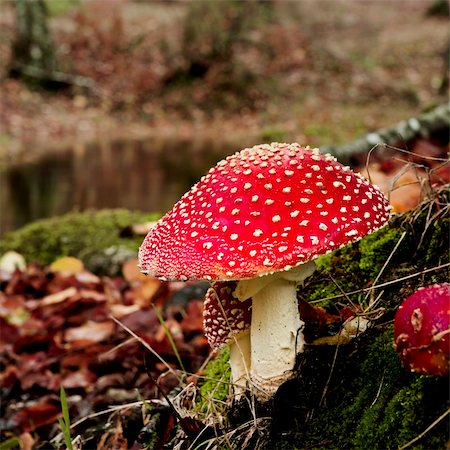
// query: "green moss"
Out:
[214,386]
[370,402]
[93,236]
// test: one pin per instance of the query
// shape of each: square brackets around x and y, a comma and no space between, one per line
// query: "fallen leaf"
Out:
[67,265]
[90,331]
[12,261]
[131,271]
[36,416]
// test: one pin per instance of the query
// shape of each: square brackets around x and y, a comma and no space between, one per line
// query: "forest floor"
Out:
[287,71]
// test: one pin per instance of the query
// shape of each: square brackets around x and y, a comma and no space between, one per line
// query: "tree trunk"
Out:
[33,48]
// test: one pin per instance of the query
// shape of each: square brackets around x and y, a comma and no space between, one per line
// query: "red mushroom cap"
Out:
[261,210]
[422,330]
[224,316]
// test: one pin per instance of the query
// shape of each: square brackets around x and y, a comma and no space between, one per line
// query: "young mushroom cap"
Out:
[422,330]
[226,322]
[224,316]
[264,209]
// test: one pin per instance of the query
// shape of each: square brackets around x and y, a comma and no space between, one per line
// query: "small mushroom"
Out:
[262,216]
[422,330]
[226,321]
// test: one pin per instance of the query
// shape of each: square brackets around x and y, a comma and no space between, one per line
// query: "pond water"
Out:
[148,175]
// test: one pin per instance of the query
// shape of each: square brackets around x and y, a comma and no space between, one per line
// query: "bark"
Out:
[33,46]
[431,123]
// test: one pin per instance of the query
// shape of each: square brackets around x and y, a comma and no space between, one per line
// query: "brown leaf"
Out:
[54,299]
[131,271]
[114,438]
[36,416]
[90,331]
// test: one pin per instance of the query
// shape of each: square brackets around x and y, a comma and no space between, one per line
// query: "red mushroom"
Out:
[262,216]
[422,330]
[226,321]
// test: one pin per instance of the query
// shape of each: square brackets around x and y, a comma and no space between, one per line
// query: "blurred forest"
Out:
[86,84]
[321,72]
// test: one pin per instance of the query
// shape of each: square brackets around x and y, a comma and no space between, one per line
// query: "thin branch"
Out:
[421,435]
[388,283]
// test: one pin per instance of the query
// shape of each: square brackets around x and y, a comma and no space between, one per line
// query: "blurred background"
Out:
[122,103]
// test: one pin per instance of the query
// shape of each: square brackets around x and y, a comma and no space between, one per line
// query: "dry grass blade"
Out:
[421,435]
[388,283]
[146,345]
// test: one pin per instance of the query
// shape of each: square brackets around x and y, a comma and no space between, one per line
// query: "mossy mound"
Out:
[101,239]
[358,396]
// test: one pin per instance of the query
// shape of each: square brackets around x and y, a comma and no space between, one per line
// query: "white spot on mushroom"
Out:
[232,263]
[222,209]
[235,211]
[234,236]
[247,185]
[294,213]
[255,198]
[252,253]
[219,200]
[194,234]
[300,239]
[304,223]
[346,198]
[314,240]
[282,248]
[315,167]
[323,227]
[289,173]
[304,200]
[351,233]
[268,186]
[330,201]
[268,201]
[207,245]
[366,215]
[276,218]
[257,233]
[343,209]
[287,189]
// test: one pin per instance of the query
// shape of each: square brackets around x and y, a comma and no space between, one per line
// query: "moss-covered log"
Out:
[101,239]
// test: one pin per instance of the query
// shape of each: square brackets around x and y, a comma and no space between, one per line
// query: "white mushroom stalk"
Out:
[276,327]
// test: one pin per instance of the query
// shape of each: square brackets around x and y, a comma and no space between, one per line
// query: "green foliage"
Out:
[379,406]
[92,236]
[215,384]
[64,422]
[57,7]
[11,443]
[273,134]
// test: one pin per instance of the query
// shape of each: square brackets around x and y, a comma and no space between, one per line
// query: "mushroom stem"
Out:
[240,363]
[276,335]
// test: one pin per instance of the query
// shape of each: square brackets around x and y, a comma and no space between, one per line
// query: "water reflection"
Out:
[147,175]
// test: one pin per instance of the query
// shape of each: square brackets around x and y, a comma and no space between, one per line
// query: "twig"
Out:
[421,435]
[379,390]
[388,283]
[385,265]
[146,345]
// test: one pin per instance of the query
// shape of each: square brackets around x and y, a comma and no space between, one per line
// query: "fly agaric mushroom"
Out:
[262,216]
[422,330]
[226,321]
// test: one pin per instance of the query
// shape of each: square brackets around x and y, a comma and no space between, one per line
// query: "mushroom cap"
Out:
[262,210]
[224,316]
[422,330]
